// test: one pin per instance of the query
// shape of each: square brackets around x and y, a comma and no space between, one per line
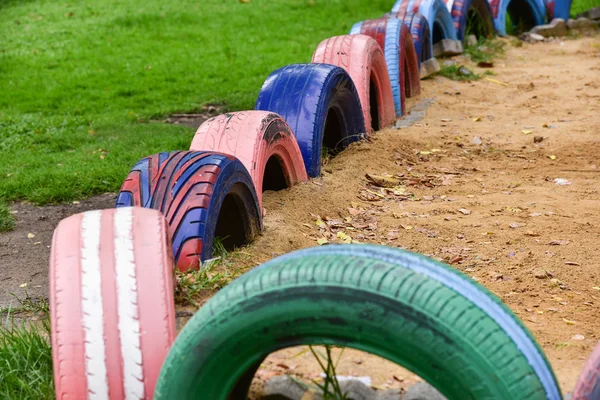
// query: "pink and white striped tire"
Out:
[111,303]
[262,141]
[588,385]
[363,59]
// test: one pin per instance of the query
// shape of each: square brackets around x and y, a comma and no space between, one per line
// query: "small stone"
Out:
[538,139]
[422,391]
[578,337]
[540,273]
[470,40]
[582,24]
[464,71]
[592,13]
[282,387]
[557,27]
[476,140]
[447,47]
[429,68]
[531,37]
[450,63]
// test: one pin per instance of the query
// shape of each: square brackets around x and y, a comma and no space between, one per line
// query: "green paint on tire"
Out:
[353,300]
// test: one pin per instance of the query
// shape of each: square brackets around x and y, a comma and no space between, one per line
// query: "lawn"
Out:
[82,83]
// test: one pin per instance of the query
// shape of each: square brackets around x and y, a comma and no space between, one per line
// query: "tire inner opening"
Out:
[374,105]
[232,226]
[519,17]
[332,134]
[274,177]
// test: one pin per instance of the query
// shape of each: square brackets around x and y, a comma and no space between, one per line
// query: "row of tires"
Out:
[111,285]
[113,319]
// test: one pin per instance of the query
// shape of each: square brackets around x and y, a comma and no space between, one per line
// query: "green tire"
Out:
[404,307]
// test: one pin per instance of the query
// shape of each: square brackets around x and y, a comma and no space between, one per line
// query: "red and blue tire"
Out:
[321,105]
[558,9]
[588,385]
[419,29]
[362,57]
[463,11]
[440,21]
[191,188]
[400,56]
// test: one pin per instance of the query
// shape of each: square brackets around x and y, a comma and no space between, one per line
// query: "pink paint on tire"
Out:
[588,385]
[262,141]
[111,303]
[364,61]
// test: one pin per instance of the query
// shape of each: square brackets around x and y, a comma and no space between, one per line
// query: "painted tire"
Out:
[191,188]
[308,96]
[111,303]
[440,21]
[400,55]
[404,307]
[558,9]
[588,385]
[460,9]
[534,15]
[419,29]
[262,141]
[362,58]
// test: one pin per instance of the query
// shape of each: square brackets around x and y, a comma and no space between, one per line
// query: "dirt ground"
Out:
[472,189]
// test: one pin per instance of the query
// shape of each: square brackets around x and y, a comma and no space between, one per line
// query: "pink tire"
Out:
[364,61]
[262,141]
[588,385]
[111,303]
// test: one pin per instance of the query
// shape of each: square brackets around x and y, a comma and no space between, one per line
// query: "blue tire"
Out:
[525,13]
[440,21]
[320,103]
[472,17]
[191,188]
[558,9]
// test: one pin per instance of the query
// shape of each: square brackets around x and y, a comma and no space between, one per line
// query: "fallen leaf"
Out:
[552,156]
[569,322]
[531,233]
[526,132]
[558,243]
[572,263]
[497,82]
[424,153]
[353,211]
[23,285]
[383,181]
[30,236]
[464,211]
[515,225]
[476,119]
[322,241]
[596,287]
[75,202]
[562,182]
[344,237]
[485,64]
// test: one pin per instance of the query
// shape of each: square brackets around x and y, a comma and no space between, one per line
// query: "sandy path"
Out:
[507,185]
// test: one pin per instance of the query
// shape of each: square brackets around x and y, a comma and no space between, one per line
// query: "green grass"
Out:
[7,221]
[486,50]
[80,80]
[25,361]
[579,6]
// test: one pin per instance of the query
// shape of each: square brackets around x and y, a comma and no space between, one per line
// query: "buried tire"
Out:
[588,385]
[419,29]
[404,307]
[440,21]
[262,141]
[320,103]
[524,14]
[203,195]
[558,9]
[400,56]
[364,61]
[111,303]
[471,17]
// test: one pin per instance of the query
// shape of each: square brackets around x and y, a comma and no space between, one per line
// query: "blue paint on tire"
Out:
[305,95]
[438,16]
[392,59]
[189,188]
